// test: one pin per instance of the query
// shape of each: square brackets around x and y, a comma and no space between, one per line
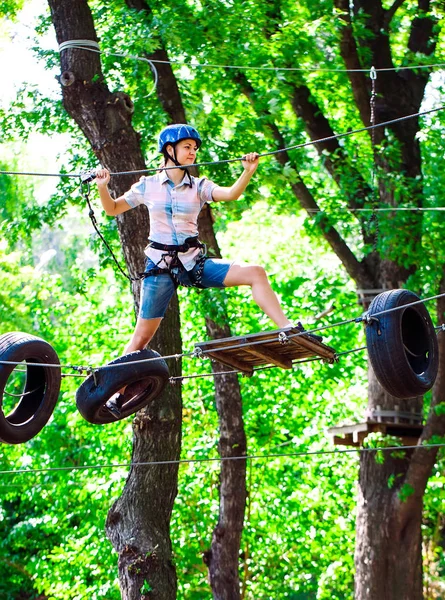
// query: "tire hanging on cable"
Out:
[144,375]
[36,402]
[402,344]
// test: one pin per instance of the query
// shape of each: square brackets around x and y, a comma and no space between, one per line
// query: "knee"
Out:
[257,274]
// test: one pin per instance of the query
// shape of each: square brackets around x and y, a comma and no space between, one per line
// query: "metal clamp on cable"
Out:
[88,176]
[369,320]
[283,338]
[197,353]
[92,372]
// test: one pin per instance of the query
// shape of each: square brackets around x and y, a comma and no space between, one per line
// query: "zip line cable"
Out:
[220,459]
[92,46]
[83,176]
[199,352]
[296,146]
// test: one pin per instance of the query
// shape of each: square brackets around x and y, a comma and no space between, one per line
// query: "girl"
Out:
[175,256]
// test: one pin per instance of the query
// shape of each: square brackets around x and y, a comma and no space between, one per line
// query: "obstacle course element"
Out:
[281,348]
[35,403]
[407,426]
[402,343]
[140,373]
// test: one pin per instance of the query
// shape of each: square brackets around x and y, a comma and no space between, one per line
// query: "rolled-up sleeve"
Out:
[135,195]
[205,189]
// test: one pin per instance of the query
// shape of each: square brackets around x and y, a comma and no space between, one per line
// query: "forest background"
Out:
[58,282]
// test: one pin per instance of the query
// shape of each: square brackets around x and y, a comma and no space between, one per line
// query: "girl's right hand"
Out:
[102,177]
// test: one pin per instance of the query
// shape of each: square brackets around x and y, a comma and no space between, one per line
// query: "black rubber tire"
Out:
[41,389]
[144,380]
[402,345]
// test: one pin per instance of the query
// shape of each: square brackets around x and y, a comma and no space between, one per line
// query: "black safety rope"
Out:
[85,190]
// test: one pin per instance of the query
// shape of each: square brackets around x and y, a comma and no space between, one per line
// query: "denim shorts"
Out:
[157,290]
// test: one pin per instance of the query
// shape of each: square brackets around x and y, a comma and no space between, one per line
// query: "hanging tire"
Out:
[402,344]
[41,390]
[144,382]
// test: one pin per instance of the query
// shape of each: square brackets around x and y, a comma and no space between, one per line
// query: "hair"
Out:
[165,158]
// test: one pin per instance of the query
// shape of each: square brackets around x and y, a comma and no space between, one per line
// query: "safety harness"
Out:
[175,265]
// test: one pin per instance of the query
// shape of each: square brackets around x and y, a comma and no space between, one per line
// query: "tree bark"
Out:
[138,523]
[223,557]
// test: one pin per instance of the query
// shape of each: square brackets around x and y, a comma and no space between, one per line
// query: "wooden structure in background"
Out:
[405,425]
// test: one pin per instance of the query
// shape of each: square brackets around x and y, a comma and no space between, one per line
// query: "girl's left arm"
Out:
[225,194]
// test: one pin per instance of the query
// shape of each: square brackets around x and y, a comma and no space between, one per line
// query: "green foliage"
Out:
[299,532]
[48,517]
[405,492]
[10,8]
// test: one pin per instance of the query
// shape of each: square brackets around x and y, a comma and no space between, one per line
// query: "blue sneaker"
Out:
[114,405]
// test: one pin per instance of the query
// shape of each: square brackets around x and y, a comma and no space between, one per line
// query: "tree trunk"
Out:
[388,554]
[138,523]
[223,557]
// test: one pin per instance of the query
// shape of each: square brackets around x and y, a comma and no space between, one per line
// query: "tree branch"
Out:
[421,38]
[351,183]
[349,52]
[391,11]
[355,269]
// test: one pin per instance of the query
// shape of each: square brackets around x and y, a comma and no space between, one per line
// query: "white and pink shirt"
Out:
[173,211]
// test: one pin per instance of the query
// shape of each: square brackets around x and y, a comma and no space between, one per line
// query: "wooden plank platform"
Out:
[279,347]
[354,434]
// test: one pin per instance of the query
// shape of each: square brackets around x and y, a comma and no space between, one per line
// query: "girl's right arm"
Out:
[111,207]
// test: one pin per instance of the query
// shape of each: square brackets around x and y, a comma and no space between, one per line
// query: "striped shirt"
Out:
[173,212]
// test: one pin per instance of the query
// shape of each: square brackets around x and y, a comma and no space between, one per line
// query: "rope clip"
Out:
[373,73]
[370,320]
[283,338]
[79,368]
[88,175]
[197,352]
[92,372]
[332,360]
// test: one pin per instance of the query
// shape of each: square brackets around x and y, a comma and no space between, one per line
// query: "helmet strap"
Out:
[174,160]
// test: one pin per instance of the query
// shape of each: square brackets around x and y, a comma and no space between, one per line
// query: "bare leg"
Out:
[143,333]
[255,276]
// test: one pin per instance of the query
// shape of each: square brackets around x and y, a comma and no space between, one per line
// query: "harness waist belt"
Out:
[191,242]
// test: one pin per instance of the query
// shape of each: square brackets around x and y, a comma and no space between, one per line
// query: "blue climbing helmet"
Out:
[172,134]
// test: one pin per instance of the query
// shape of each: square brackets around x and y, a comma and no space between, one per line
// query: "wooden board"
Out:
[280,347]
[353,435]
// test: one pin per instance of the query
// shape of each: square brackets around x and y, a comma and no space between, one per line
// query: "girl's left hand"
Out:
[250,162]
